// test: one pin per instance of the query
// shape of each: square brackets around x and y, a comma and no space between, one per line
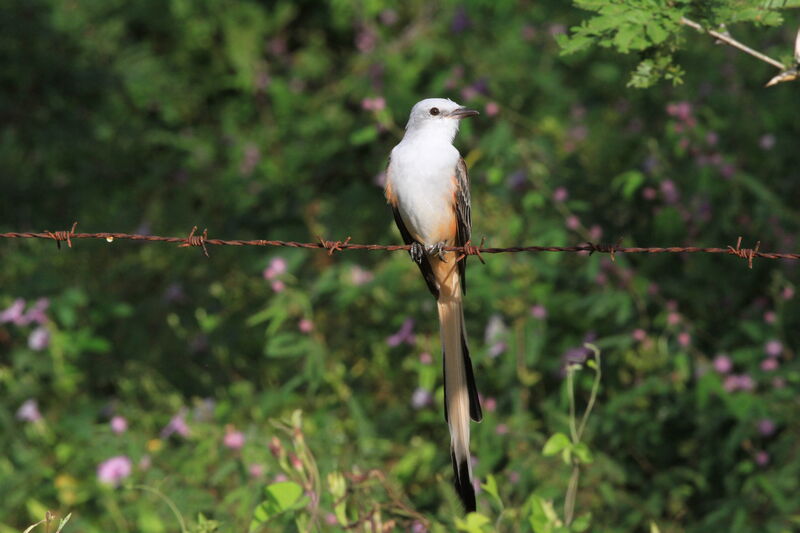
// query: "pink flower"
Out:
[305,325]
[233,439]
[331,520]
[118,424]
[767,141]
[773,348]
[595,233]
[497,349]
[373,104]
[112,471]
[769,364]
[256,470]
[490,404]
[37,312]
[770,317]
[766,427]
[404,334]
[572,222]
[669,191]
[176,425]
[639,335]
[649,193]
[277,266]
[739,382]
[560,195]
[787,293]
[421,398]
[425,358]
[279,477]
[278,286]
[492,109]
[684,339]
[29,411]
[673,318]
[501,429]
[39,339]
[762,458]
[539,312]
[722,364]
[14,313]
[359,276]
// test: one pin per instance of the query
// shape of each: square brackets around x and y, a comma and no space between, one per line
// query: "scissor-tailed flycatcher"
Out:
[428,188]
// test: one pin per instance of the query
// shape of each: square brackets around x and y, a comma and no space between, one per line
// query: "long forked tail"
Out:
[460,393]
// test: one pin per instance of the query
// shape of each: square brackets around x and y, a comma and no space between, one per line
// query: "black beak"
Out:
[463,112]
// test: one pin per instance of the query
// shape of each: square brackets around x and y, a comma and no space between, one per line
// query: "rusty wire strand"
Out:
[202,241]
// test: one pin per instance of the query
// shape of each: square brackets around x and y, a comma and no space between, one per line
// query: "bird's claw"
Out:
[417,252]
[438,249]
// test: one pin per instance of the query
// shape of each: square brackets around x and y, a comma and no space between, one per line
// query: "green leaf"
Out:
[364,135]
[581,523]
[473,524]
[491,488]
[583,453]
[555,444]
[280,497]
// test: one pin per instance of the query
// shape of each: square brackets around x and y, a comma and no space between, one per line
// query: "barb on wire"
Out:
[195,240]
[59,236]
[468,249]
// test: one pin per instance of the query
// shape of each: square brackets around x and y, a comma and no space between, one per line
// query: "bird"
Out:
[427,187]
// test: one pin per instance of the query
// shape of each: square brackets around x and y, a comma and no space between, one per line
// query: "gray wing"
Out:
[463,216]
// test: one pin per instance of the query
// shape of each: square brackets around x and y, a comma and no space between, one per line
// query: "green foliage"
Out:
[147,388]
[653,29]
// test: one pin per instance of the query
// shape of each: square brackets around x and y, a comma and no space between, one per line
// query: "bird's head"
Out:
[437,116]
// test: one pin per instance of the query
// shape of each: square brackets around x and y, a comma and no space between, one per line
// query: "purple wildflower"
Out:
[766,427]
[762,458]
[39,339]
[277,266]
[234,439]
[560,195]
[305,325]
[461,21]
[773,348]
[176,425]
[112,471]
[14,313]
[722,364]
[29,411]
[256,470]
[404,334]
[118,424]
[539,312]
[421,398]
[769,364]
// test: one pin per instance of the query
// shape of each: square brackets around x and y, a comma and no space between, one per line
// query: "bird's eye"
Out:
[434,111]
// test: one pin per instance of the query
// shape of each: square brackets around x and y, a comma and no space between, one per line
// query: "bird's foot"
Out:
[417,252]
[438,249]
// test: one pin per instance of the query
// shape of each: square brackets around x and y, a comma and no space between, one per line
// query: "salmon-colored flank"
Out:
[390,197]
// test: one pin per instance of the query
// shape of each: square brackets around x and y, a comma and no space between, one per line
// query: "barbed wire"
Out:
[202,241]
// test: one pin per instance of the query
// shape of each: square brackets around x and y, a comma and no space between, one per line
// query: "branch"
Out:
[727,39]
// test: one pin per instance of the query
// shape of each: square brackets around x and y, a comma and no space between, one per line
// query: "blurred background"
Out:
[138,381]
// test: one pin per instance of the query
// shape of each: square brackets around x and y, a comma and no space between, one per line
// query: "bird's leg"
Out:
[417,252]
[438,250]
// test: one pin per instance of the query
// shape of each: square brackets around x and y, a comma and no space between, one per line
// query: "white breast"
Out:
[421,176]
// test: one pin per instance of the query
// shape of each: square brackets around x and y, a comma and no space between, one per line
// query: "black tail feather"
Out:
[475,411]
[463,485]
